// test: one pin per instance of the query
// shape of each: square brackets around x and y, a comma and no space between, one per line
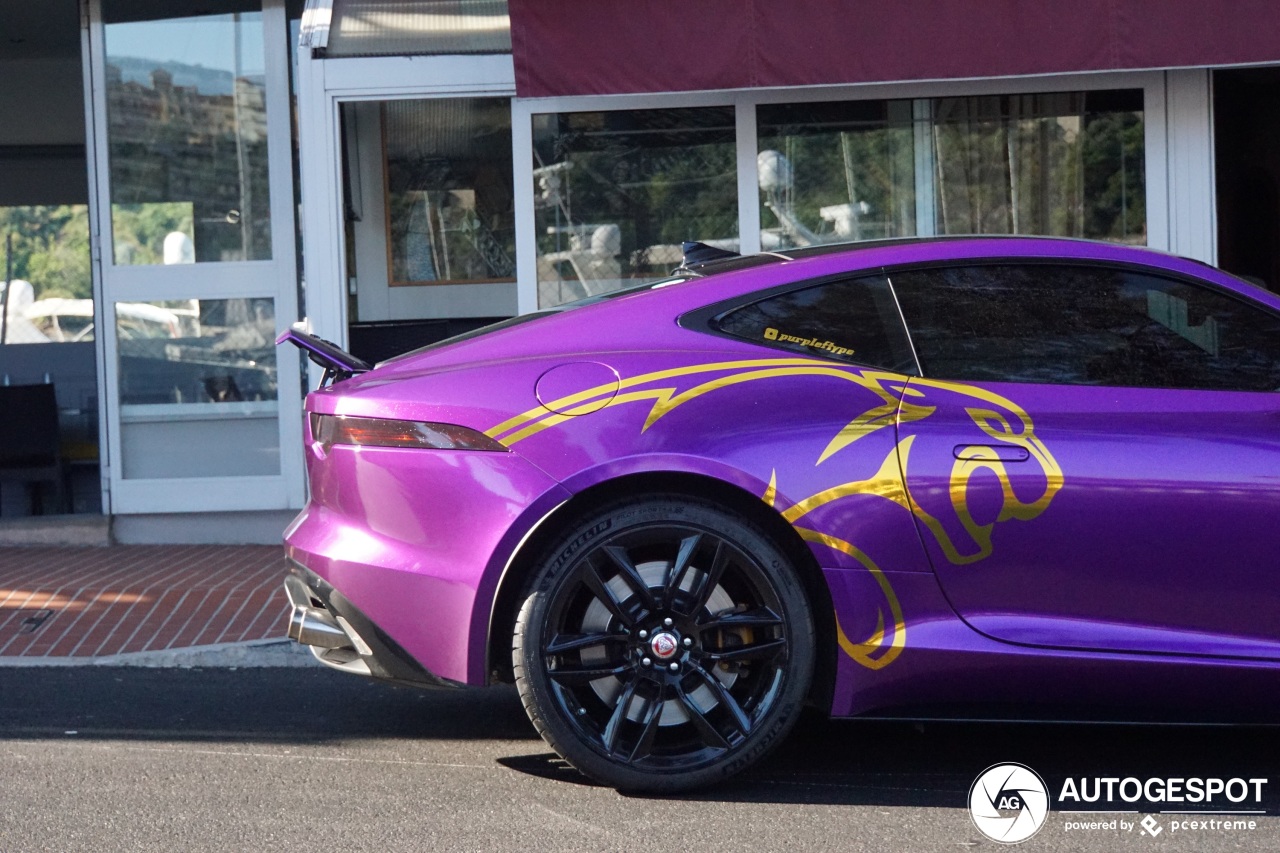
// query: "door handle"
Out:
[991,452]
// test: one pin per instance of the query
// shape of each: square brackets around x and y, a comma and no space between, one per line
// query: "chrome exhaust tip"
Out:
[313,627]
[310,624]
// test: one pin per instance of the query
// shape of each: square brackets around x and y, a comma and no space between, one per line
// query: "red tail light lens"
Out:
[329,430]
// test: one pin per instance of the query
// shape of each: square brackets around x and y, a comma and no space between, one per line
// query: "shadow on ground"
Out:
[886,763]
[823,762]
[286,705]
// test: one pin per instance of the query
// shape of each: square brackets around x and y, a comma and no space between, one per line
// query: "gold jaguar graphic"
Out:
[898,402]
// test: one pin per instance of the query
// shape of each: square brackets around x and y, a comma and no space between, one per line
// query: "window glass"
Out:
[187,139]
[617,192]
[852,320]
[50,299]
[835,172]
[1068,164]
[211,351]
[409,27]
[1083,325]
[450,206]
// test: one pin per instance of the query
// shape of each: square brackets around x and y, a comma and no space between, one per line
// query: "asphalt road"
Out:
[100,759]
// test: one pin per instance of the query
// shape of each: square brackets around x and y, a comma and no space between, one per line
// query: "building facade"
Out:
[395,172]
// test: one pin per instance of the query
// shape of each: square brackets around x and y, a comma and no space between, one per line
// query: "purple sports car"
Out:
[954,477]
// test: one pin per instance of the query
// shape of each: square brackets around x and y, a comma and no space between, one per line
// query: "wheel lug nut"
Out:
[667,622]
[688,641]
[643,633]
[646,662]
[674,667]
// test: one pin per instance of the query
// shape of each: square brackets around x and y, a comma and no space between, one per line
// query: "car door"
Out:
[1101,466]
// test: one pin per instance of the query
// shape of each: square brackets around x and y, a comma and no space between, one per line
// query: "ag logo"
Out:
[1008,803]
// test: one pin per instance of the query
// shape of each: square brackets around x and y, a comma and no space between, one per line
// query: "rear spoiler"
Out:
[696,253]
[338,364]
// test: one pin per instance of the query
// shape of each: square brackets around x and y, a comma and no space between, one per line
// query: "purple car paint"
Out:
[1074,544]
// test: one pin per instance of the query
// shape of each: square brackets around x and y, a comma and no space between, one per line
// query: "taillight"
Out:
[329,430]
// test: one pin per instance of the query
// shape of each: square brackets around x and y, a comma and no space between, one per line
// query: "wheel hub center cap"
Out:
[664,645]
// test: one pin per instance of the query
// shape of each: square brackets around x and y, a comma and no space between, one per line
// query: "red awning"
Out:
[590,47]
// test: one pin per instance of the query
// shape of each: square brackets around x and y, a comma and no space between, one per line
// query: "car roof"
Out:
[728,263]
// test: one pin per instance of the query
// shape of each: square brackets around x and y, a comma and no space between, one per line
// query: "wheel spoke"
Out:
[592,580]
[742,723]
[649,722]
[619,715]
[757,617]
[711,579]
[562,643]
[710,734]
[766,650]
[575,675]
[675,576]
[627,571]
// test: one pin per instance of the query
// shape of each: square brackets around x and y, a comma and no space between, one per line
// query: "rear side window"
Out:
[854,320]
[1079,325]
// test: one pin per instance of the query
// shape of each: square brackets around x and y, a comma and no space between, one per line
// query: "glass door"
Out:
[194,235]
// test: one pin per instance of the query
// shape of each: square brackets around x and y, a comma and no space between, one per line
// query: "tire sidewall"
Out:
[558,567]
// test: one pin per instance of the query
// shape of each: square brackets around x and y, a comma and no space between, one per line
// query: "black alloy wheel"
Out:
[667,644]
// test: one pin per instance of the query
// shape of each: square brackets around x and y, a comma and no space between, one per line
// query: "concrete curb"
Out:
[247,655]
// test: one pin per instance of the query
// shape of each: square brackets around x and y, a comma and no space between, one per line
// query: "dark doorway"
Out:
[47,334]
[1246,127]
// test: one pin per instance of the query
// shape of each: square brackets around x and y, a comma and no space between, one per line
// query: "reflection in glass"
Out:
[416,27]
[835,172]
[617,192]
[51,296]
[1067,164]
[187,139]
[451,214]
[196,351]
[1086,326]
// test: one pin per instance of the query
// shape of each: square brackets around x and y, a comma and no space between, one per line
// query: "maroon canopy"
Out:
[588,47]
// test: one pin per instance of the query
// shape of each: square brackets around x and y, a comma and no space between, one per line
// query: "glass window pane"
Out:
[451,214]
[616,194]
[416,27]
[1086,326]
[835,172]
[187,140]
[854,321]
[1068,164]
[51,297]
[210,351]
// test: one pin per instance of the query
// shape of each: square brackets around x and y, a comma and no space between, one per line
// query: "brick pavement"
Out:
[72,602]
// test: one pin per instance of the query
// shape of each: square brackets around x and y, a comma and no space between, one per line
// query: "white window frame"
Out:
[1176,116]
[323,86]
[275,279]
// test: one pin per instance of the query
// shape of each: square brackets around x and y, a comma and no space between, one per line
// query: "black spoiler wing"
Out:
[338,364]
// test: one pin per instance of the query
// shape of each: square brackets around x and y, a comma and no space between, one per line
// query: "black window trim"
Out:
[704,319]
[1092,263]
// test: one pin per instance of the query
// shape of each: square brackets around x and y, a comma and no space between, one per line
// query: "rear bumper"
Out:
[416,540]
[342,637]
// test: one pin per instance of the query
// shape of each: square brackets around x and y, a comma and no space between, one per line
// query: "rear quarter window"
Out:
[853,320]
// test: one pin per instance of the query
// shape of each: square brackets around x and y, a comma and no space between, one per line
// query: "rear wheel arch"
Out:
[513,586]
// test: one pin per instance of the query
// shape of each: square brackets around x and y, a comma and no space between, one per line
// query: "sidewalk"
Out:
[157,605]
